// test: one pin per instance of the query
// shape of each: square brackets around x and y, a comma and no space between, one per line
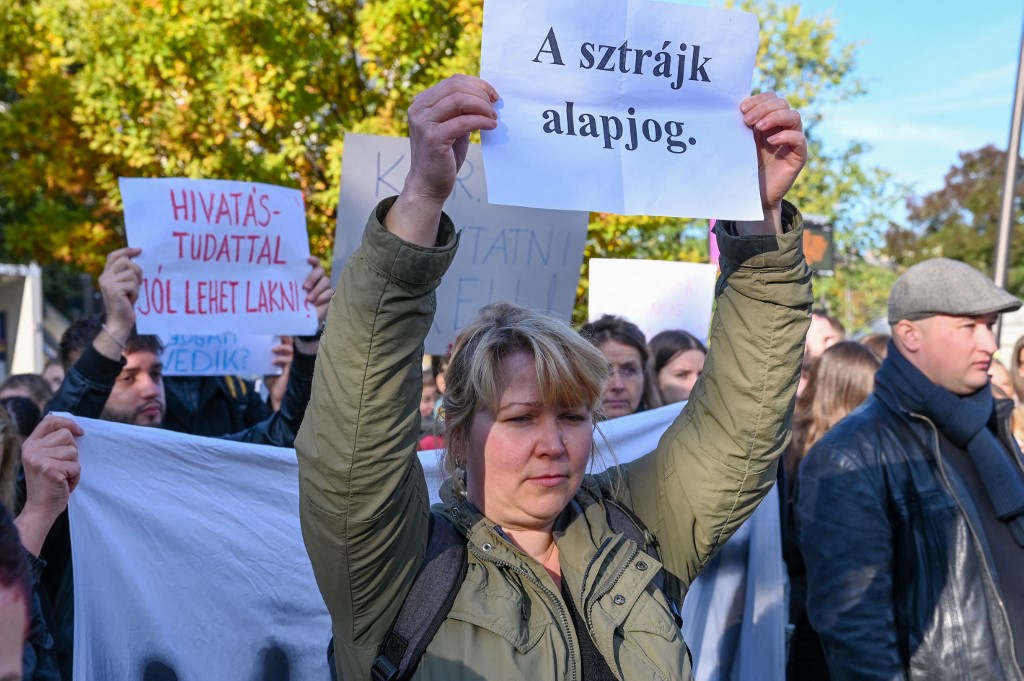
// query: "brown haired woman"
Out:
[839,382]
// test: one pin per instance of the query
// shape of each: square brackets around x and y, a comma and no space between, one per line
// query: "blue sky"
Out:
[940,77]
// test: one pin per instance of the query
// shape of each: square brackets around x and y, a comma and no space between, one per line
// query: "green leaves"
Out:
[264,90]
[260,90]
[961,220]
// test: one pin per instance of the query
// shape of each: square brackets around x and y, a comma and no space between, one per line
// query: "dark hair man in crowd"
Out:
[911,509]
[198,405]
[32,386]
[117,375]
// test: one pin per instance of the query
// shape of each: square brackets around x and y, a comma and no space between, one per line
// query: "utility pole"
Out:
[1006,216]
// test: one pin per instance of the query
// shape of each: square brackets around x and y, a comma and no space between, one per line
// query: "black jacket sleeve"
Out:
[280,428]
[87,385]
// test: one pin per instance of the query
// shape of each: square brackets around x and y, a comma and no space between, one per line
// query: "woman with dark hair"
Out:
[678,361]
[630,386]
[839,381]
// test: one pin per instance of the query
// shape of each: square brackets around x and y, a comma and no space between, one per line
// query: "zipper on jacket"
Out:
[586,573]
[609,585]
[566,625]
[974,535]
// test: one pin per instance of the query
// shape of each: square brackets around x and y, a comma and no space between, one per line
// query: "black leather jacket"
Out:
[900,578]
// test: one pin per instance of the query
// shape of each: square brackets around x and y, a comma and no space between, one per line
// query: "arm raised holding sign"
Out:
[781,154]
[116,374]
[521,402]
[440,121]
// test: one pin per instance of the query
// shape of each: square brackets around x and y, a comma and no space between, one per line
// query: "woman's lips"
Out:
[551,480]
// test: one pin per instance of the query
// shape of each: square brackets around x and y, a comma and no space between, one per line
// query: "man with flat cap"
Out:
[911,509]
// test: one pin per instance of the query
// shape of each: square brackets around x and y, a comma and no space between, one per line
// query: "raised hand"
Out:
[318,289]
[318,293]
[119,285]
[50,458]
[781,147]
[440,121]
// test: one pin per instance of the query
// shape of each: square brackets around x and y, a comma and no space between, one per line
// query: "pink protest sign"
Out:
[218,256]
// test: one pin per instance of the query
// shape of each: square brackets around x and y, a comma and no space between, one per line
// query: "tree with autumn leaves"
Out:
[264,90]
[961,220]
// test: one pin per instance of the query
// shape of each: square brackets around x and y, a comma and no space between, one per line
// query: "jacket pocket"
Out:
[634,621]
[500,608]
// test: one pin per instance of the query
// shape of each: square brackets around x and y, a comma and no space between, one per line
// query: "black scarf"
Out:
[969,422]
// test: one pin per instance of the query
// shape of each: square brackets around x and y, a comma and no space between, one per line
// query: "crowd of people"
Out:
[897,458]
[110,372]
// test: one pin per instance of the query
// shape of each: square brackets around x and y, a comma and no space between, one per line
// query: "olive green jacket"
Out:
[364,502]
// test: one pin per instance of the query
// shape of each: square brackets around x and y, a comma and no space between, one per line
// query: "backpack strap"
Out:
[444,569]
[429,601]
[425,608]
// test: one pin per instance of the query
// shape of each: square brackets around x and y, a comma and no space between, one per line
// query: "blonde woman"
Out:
[550,591]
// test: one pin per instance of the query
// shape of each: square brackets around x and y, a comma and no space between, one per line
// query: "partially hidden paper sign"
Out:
[524,255]
[222,354]
[628,107]
[218,256]
[654,294]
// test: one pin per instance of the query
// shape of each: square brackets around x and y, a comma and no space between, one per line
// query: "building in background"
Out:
[21,320]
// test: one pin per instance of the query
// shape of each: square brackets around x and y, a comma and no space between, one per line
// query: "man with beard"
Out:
[115,374]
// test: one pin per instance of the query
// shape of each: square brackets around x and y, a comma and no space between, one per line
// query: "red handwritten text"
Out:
[246,248]
[234,209]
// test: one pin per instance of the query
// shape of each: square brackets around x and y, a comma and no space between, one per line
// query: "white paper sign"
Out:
[218,256]
[224,354]
[622,107]
[527,256]
[656,295]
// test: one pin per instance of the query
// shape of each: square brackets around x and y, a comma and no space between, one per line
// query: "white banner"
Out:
[224,354]
[188,554]
[218,256]
[623,107]
[656,295]
[527,256]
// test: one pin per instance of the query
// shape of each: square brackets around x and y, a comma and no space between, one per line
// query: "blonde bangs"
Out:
[570,371]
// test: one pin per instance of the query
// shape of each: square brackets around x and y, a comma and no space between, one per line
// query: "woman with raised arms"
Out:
[550,591]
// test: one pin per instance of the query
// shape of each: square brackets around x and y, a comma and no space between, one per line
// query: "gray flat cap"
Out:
[944,286]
